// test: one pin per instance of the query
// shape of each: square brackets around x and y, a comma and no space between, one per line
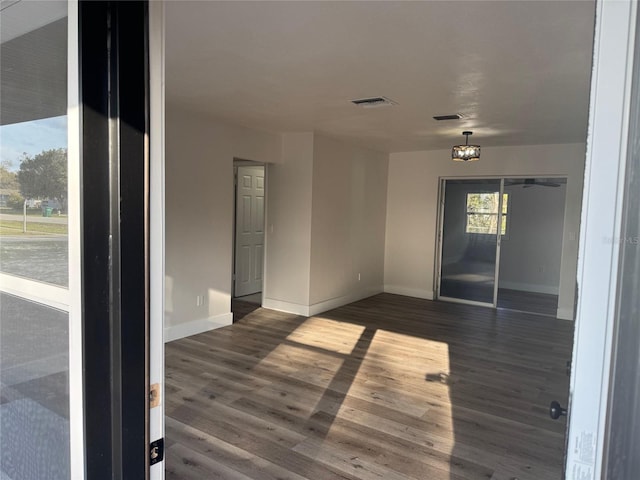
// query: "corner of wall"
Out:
[565,314]
[194,327]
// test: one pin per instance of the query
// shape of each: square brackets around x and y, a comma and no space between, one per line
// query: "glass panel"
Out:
[33,135]
[482,213]
[469,239]
[531,255]
[34,338]
[34,402]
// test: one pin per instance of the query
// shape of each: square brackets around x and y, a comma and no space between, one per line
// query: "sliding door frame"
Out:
[440,240]
[114,152]
[440,236]
[496,276]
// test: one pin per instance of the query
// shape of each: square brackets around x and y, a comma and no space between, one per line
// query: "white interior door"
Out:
[249,230]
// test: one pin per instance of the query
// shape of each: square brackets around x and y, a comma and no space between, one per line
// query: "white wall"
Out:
[531,253]
[412,209]
[288,232]
[199,215]
[348,222]
[325,224]
[348,187]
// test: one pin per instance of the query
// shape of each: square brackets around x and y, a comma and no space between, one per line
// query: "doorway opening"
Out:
[248,236]
[501,242]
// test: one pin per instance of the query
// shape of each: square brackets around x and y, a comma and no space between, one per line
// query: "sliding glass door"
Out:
[472,219]
[41,411]
[76,181]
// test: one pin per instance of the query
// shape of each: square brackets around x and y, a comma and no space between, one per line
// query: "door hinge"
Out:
[156,451]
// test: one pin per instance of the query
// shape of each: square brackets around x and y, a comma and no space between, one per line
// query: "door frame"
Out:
[597,267]
[239,162]
[622,436]
[156,226]
[440,233]
[596,264]
[602,208]
[440,239]
[114,162]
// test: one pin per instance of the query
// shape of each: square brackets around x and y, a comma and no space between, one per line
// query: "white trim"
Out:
[496,273]
[409,292]
[74,294]
[529,287]
[265,276]
[320,307]
[194,327]
[565,314]
[156,220]
[442,186]
[506,177]
[332,303]
[600,225]
[44,293]
[287,307]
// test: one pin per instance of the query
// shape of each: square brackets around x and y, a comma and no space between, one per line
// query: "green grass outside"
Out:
[31,212]
[14,228]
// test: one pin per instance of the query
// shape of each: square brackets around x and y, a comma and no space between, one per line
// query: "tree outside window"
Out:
[482,213]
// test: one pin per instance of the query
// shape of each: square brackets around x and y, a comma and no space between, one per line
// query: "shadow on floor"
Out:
[389,387]
[242,306]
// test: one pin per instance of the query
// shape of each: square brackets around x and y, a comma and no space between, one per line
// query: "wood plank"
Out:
[184,463]
[235,458]
[388,387]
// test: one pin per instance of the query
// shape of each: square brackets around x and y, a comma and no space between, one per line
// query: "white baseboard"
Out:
[529,287]
[182,330]
[565,314]
[316,308]
[409,292]
[287,307]
[332,303]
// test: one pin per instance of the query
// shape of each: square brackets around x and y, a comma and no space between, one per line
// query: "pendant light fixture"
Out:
[466,152]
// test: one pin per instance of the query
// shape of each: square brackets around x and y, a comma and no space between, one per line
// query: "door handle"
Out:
[556,411]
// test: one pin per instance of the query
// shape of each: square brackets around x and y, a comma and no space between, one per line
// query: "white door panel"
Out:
[249,230]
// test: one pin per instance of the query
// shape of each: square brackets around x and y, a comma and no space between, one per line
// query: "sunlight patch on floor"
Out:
[330,335]
[412,375]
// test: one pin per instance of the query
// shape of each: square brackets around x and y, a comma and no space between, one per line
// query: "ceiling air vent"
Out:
[373,102]
[455,116]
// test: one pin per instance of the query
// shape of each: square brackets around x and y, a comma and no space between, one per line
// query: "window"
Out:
[482,213]
[39,370]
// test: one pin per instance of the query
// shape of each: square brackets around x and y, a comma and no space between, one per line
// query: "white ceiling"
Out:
[518,70]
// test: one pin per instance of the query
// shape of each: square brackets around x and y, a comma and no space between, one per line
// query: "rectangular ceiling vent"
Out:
[373,102]
[455,116]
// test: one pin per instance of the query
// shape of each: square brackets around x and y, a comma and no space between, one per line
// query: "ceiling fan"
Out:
[532,182]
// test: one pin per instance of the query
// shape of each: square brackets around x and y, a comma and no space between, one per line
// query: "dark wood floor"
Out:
[241,308]
[533,302]
[389,388]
